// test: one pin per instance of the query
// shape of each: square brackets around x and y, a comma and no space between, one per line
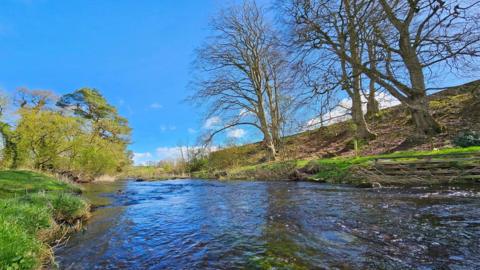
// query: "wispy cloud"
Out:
[164,153]
[141,158]
[161,153]
[212,122]
[164,128]
[191,130]
[156,106]
[236,133]
[170,153]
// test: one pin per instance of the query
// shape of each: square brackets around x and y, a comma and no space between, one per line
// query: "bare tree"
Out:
[413,36]
[331,71]
[243,74]
[355,48]
[372,104]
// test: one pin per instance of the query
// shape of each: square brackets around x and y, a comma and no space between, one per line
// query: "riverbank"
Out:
[360,171]
[151,173]
[331,153]
[456,109]
[37,211]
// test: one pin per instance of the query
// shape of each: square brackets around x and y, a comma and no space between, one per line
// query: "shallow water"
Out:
[202,224]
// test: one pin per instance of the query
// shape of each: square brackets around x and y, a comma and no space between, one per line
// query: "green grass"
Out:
[445,151]
[335,169]
[34,210]
[14,183]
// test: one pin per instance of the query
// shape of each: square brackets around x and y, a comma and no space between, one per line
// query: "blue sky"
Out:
[137,53]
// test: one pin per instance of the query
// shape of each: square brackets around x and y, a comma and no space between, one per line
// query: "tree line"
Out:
[78,135]
[256,68]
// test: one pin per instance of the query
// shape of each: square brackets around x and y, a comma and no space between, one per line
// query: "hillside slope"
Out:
[455,108]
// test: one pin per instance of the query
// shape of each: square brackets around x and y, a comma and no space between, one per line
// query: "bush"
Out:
[197,164]
[467,139]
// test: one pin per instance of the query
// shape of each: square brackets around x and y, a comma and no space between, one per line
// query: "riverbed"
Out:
[208,224]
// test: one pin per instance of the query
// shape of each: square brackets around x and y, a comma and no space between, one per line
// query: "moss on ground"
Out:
[35,210]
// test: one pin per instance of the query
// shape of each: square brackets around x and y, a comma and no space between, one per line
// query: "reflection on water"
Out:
[199,224]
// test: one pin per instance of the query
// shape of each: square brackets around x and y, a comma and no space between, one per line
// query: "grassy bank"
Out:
[35,212]
[456,110]
[331,170]
[150,173]
[329,153]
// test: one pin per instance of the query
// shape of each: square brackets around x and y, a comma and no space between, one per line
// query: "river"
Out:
[207,224]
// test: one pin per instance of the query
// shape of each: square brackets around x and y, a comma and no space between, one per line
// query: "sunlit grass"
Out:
[335,169]
[33,208]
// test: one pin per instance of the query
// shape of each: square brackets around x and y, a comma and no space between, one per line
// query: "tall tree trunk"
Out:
[273,107]
[358,117]
[274,114]
[268,140]
[425,124]
[372,103]
[362,130]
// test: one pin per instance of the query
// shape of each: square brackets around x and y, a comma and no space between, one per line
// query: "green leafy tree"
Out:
[81,135]
[45,140]
[89,104]
[103,150]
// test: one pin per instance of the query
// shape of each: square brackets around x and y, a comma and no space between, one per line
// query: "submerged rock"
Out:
[299,175]
[364,185]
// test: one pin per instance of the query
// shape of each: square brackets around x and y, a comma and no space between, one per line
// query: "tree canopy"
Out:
[80,135]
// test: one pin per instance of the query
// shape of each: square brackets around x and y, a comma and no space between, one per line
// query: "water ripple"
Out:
[197,224]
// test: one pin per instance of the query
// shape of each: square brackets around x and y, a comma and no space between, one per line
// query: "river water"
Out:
[207,224]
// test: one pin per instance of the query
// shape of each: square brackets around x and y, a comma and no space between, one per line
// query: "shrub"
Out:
[467,138]
[197,164]
[68,208]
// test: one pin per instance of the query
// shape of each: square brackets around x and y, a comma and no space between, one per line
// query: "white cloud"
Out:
[191,131]
[175,152]
[156,105]
[386,100]
[236,133]
[141,158]
[164,153]
[170,153]
[341,112]
[212,122]
[164,128]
